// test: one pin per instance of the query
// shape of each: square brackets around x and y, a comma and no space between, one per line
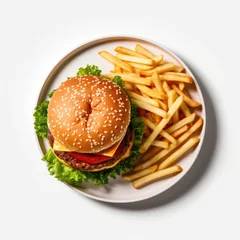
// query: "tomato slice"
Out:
[89,158]
[94,158]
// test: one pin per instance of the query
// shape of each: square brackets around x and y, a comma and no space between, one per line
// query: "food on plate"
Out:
[92,128]
[160,89]
[138,119]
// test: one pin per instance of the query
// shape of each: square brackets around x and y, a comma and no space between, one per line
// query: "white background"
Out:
[35,35]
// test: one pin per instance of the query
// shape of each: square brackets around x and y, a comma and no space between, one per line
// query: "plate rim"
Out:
[110,38]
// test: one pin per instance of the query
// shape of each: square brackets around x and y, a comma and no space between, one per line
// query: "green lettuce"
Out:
[89,70]
[75,177]
[118,80]
[40,123]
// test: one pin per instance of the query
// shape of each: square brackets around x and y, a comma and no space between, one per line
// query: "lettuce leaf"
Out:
[75,177]
[118,80]
[40,123]
[89,70]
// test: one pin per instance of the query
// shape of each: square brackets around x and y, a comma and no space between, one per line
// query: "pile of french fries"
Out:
[160,89]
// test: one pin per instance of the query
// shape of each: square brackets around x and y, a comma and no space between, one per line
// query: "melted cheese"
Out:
[57,146]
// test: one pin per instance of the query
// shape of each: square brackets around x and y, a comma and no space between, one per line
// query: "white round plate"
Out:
[119,191]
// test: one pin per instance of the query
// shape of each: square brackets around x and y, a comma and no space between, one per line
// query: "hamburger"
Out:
[92,128]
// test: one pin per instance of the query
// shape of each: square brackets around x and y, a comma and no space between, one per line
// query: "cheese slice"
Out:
[57,146]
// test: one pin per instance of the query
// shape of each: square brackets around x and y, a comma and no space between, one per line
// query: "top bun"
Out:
[88,114]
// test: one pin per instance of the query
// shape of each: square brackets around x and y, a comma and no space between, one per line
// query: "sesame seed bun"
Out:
[88,114]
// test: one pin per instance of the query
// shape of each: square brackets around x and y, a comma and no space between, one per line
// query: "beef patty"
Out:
[87,167]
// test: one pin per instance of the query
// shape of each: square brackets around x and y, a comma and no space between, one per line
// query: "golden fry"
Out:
[162,105]
[151,93]
[170,76]
[150,153]
[157,82]
[134,176]
[180,131]
[140,66]
[178,69]
[128,51]
[158,59]
[115,61]
[156,176]
[160,69]
[117,69]
[181,123]
[166,87]
[160,144]
[143,99]
[130,78]
[140,49]
[134,59]
[178,153]
[190,102]
[181,85]
[127,86]
[150,108]
[185,109]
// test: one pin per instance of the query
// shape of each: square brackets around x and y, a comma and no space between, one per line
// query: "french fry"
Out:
[180,131]
[158,59]
[130,78]
[150,92]
[157,82]
[157,157]
[161,125]
[134,59]
[146,132]
[166,87]
[150,153]
[141,182]
[181,123]
[134,176]
[171,99]
[181,85]
[115,61]
[140,66]
[163,133]
[128,51]
[170,76]
[137,71]
[157,118]
[140,49]
[160,69]
[150,108]
[150,116]
[162,105]
[178,153]
[127,86]
[168,137]
[185,109]
[178,69]
[160,144]
[190,102]
[143,99]
[117,69]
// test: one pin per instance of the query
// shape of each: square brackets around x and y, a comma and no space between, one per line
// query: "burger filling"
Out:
[94,162]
